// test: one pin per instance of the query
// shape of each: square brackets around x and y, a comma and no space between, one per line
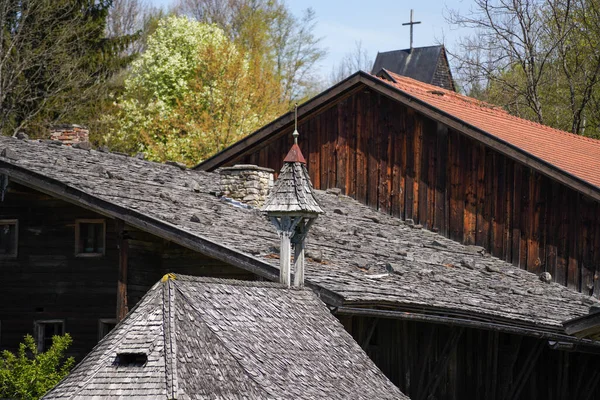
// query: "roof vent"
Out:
[131,359]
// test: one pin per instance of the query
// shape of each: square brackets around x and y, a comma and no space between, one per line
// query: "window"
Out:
[9,236]
[45,329]
[131,359]
[105,325]
[89,237]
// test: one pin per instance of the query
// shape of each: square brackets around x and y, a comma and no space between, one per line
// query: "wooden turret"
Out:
[292,208]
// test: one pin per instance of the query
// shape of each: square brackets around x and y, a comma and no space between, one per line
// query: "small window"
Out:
[9,236]
[105,326]
[89,237]
[45,330]
[131,359]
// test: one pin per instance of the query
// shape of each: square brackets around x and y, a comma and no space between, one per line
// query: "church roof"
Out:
[193,338]
[419,63]
[355,256]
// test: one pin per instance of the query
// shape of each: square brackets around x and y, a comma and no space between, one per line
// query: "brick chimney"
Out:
[69,134]
[249,184]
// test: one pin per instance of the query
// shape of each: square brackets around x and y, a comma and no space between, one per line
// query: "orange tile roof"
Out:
[576,155]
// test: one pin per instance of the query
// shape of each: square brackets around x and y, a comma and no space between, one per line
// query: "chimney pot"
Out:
[69,134]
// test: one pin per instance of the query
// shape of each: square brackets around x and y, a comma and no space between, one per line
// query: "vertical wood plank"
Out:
[562,255]
[374,141]
[418,145]
[573,278]
[470,174]
[341,146]
[534,263]
[482,226]
[441,179]
[410,165]
[362,145]
[524,218]
[123,244]
[456,195]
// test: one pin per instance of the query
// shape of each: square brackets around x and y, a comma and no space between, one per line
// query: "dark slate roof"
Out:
[293,192]
[419,64]
[355,255]
[223,339]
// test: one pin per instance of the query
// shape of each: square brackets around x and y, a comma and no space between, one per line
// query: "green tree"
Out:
[190,94]
[539,59]
[276,41]
[54,58]
[28,374]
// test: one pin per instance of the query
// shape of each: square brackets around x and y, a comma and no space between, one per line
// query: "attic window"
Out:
[131,359]
[105,325]
[90,237]
[9,233]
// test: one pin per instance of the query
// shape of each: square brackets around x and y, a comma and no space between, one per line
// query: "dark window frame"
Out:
[102,323]
[14,222]
[40,334]
[78,250]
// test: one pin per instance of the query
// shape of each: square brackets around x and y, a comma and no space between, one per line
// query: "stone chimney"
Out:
[249,184]
[69,134]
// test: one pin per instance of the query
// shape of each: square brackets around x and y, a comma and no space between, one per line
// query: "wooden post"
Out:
[299,263]
[284,259]
[123,245]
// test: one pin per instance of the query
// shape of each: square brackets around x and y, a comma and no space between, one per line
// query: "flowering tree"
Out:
[189,95]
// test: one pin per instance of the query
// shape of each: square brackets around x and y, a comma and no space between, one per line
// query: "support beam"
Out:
[299,263]
[284,259]
[526,369]
[123,244]
[369,334]
[441,364]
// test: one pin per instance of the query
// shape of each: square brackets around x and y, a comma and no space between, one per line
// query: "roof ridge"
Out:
[485,106]
[218,338]
[233,282]
[171,378]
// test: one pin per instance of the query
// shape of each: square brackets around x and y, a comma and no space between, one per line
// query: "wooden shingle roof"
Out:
[221,339]
[369,259]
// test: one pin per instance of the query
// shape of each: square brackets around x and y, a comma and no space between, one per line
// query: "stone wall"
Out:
[249,184]
[70,134]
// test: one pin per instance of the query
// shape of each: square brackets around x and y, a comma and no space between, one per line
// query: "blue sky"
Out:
[377,24]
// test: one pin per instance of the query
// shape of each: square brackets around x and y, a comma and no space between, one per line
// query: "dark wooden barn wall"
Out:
[46,280]
[429,361]
[393,159]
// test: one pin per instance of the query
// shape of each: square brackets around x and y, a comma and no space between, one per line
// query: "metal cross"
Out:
[411,23]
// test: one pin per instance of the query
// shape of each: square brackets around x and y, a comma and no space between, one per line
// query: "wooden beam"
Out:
[442,363]
[123,244]
[369,334]
[526,369]
[299,263]
[284,259]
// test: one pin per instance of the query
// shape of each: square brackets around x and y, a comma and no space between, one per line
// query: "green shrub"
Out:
[29,374]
